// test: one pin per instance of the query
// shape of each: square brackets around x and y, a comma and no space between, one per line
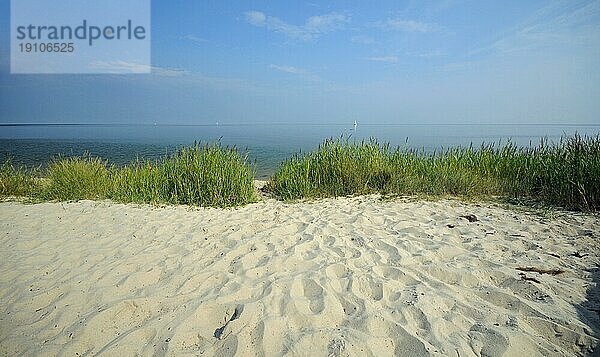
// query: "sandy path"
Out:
[350,276]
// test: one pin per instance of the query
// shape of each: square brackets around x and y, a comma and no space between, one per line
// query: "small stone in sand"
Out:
[470,217]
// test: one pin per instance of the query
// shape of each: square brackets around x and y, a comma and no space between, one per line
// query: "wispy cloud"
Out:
[132,67]
[407,25]
[194,39]
[313,27]
[288,69]
[296,71]
[363,40]
[560,24]
[458,66]
[183,77]
[426,55]
[256,18]
[168,72]
[387,59]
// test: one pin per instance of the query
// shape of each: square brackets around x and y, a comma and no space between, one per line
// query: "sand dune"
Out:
[349,276]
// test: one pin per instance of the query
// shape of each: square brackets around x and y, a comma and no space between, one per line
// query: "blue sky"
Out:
[449,61]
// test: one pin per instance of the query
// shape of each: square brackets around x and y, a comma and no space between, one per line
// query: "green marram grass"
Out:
[565,174]
[16,181]
[208,175]
[76,178]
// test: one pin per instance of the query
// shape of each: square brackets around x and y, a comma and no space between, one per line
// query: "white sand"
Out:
[351,276]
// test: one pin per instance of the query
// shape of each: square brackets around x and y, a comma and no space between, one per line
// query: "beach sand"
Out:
[348,276]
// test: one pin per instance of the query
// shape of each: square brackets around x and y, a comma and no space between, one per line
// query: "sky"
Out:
[401,62]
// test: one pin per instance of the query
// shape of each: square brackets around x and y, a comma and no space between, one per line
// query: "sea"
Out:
[265,145]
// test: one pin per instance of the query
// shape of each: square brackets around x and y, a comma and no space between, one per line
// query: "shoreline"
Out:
[354,275]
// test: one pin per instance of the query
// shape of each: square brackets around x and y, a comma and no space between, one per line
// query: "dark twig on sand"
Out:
[541,271]
[526,278]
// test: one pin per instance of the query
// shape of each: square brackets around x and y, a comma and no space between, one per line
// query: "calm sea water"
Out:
[266,145]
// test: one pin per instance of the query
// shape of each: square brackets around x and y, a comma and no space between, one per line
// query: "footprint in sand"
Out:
[375,290]
[395,274]
[350,308]
[314,293]
[369,289]
[487,342]
[336,271]
[311,252]
[339,277]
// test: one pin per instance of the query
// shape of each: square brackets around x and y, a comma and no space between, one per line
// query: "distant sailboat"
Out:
[355,125]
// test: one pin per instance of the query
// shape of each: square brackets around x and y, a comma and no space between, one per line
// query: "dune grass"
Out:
[204,176]
[17,181]
[565,174]
[209,175]
[76,178]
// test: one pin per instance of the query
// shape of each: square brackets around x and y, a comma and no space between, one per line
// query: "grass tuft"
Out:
[208,175]
[16,181]
[76,178]
[200,175]
[565,174]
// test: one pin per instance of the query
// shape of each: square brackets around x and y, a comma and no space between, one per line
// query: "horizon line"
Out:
[217,124]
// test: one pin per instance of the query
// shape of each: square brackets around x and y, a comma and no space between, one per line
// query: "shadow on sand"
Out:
[589,310]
